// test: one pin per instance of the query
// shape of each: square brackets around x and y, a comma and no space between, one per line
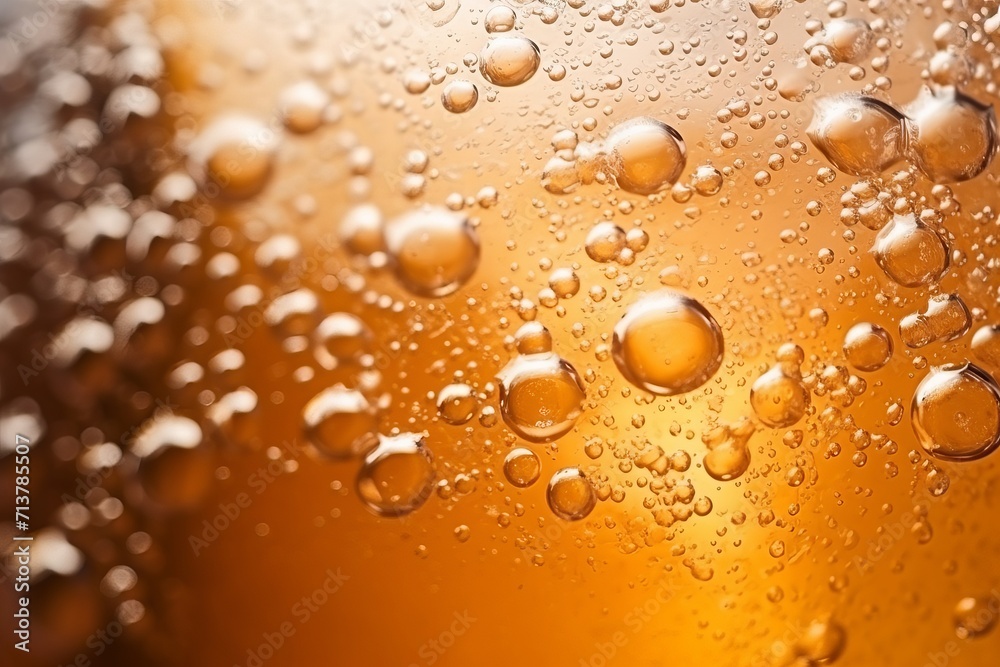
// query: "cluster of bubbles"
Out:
[664,349]
[642,156]
[946,134]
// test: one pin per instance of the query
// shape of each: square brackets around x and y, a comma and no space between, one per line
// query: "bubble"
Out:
[986,345]
[342,337]
[840,41]
[165,432]
[509,60]
[706,180]
[541,396]
[667,343]
[533,338]
[910,252]
[570,495]
[949,68]
[340,423]
[302,106]
[276,254]
[859,135]
[605,242]
[952,137]
[457,403]
[645,155]
[416,81]
[235,154]
[766,9]
[500,19]
[975,616]
[728,455]
[459,96]
[868,347]
[956,413]
[141,331]
[564,282]
[822,642]
[397,476]
[175,472]
[778,397]
[293,314]
[945,318]
[522,467]
[233,417]
[434,250]
[361,230]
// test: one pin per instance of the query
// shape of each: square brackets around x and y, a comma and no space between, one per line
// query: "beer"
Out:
[555,332]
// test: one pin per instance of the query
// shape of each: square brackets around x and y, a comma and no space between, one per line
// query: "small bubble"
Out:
[522,467]
[303,106]
[605,242]
[457,403]
[570,495]
[975,617]
[500,19]
[459,96]
[397,476]
[340,423]
[868,347]
[509,60]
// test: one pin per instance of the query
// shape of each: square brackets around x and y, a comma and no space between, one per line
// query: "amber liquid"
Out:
[830,545]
